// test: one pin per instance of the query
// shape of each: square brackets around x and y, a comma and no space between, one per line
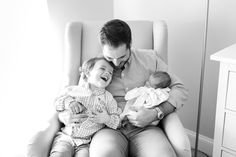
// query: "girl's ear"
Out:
[86,75]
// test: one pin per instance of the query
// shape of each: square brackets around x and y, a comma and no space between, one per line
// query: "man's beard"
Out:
[121,65]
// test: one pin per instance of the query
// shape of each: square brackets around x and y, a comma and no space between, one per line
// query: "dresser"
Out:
[225,121]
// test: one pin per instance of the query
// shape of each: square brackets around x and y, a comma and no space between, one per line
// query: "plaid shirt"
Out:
[141,64]
[91,101]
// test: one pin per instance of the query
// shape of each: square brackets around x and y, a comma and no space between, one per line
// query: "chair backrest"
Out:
[82,43]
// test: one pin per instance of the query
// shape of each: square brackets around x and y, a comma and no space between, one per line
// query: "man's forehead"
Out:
[114,53]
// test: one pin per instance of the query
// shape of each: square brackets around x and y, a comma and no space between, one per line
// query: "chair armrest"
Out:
[40,144]
[72,56]
[160,39]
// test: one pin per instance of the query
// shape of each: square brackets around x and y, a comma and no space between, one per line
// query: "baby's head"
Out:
[159,79]
[97,72]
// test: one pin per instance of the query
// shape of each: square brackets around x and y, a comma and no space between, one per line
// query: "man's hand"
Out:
[100,117]
[141,117]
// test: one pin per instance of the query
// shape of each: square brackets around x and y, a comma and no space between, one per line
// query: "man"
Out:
[132,69]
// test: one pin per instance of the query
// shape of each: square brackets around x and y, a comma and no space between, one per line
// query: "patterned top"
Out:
[91,101]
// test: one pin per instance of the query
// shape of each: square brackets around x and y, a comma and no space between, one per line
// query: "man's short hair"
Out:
[115,33]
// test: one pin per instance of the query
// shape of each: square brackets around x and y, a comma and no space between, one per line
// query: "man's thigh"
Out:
[107,143]
[178,138]
[151,142]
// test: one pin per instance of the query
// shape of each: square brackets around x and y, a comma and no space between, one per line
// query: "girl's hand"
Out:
[67,117]
[76,107]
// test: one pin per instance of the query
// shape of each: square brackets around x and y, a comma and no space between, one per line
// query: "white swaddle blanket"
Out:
[147,97]
[144,97]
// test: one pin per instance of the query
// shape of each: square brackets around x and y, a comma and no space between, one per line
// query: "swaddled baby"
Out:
[151,95]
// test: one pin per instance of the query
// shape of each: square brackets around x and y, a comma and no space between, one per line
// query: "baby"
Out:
[90,98]
[151,95]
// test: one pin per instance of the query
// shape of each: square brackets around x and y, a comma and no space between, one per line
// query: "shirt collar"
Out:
[98,91]
[89,92]
[130,57]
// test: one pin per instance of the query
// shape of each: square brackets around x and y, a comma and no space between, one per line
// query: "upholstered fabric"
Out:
[81,43]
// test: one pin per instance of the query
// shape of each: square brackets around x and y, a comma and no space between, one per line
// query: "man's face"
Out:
[118,56]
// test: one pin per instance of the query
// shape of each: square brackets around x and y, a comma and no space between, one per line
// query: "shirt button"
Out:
[127,89]
[122,74]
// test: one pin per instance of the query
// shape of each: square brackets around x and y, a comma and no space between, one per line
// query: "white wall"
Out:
[30,60]
[221,33]
[28,72]
[63,11]
[185,20]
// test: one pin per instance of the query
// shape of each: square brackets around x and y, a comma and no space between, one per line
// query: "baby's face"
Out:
[101,74]
[153,82]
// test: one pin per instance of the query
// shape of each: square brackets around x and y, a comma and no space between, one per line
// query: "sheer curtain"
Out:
[30,69]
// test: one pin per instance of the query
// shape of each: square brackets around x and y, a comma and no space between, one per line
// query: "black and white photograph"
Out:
[118,78]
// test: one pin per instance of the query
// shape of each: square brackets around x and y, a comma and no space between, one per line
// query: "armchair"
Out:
[81,43]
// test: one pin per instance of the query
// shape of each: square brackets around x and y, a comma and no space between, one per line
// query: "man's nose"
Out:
[116,62]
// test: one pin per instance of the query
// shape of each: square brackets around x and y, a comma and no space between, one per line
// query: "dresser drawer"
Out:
[226,154]
[231,91]
[229,135]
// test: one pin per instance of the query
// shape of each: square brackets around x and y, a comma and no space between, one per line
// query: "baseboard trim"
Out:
[205,144]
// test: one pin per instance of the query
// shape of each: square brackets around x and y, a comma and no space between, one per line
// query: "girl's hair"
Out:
[88,66]
[115,33]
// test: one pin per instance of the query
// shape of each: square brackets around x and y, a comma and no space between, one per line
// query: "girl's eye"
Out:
[109,59]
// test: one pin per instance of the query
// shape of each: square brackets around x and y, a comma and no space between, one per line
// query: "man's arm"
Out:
[177,97]
[166,108]
[178,93]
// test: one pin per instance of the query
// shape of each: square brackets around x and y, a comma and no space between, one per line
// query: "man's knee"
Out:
[151,142]
[108,142]
[107,150]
